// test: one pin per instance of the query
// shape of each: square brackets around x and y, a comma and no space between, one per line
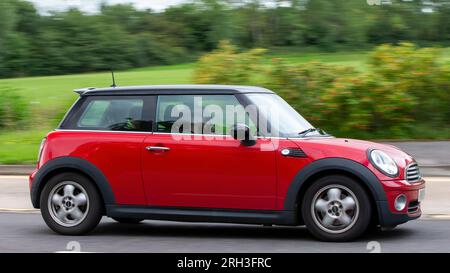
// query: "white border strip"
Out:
[20,210]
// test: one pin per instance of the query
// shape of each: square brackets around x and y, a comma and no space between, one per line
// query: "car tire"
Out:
[128,220]
[336,208]
[71,204]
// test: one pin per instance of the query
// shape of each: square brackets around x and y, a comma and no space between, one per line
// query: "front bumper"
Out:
[390,219]
[388,215]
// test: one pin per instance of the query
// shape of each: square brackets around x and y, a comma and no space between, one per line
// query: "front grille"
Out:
[413,206]
[412,173]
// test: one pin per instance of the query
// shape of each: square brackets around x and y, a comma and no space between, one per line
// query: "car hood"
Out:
[325,147]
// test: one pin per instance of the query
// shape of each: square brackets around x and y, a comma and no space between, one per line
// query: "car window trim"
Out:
[101,131]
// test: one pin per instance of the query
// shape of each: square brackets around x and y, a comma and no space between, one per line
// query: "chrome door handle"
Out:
[157,148]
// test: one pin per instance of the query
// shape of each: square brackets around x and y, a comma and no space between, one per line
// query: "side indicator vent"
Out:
[293,152]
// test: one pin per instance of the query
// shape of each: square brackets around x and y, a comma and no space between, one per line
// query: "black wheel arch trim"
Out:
[330,164]
[75,163]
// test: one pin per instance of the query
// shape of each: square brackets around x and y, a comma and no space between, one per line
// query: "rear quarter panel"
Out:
[116,154]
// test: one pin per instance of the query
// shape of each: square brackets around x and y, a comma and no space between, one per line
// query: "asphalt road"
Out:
[26,232]
[15,195]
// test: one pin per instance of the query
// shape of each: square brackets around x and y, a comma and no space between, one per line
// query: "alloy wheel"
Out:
[335,208]
[68,203]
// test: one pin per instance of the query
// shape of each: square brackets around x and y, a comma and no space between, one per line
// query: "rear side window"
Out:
[111,114]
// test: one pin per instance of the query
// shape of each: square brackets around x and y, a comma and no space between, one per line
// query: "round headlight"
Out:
[383,163]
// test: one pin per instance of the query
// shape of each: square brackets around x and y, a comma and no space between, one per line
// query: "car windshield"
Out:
[282,119]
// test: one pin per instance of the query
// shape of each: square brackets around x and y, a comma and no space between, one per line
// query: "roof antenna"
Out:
[113,79]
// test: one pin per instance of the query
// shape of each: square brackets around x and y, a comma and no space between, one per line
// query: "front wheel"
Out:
[70,204]
[336,208]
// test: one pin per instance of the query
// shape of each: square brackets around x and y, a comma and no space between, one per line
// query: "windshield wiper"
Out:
[307,131]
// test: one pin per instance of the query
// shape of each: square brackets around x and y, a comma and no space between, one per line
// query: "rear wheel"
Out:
[70,204]
[336,208]
[128,220]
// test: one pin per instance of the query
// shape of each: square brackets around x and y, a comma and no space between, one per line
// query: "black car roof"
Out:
[171,89]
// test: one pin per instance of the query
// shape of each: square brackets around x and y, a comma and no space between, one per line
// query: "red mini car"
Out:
[212,153]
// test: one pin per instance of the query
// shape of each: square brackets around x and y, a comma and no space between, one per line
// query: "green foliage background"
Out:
[318,54]
[13,109]
[404,89]
[122,37]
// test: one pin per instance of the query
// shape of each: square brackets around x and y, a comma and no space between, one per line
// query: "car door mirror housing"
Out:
[242,132]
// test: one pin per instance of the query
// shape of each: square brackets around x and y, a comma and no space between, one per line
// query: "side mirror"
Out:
[242,132]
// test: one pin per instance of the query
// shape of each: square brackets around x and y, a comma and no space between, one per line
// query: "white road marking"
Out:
[14,177]
[19,210]
[14,180]
[437,216]
[437,179]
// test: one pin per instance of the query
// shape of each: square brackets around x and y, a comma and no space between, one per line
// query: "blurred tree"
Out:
[443,21]
[7,22]
[320,23]
[286,23]
[204,22]
[124,14]
[16,54]
[122,36]
[250,24]
[27,18]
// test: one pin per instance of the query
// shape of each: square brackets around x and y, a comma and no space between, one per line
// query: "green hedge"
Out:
[403,89]
[13,109]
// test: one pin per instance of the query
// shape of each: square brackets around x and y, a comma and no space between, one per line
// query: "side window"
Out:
[112,114]
[93,115]
[166,108]
[204,114]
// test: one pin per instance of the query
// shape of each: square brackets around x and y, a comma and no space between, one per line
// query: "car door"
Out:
[205,170]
